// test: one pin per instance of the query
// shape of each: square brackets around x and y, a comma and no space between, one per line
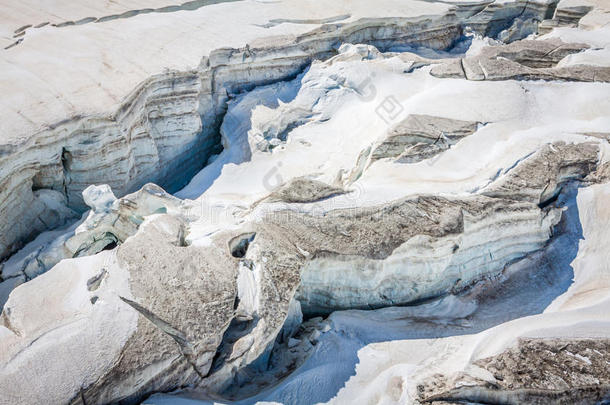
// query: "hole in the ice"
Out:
[36,183]
[110,246]
[66,159]
[236,330]
[94,282]
[238,246]
[553,198]
[107,241]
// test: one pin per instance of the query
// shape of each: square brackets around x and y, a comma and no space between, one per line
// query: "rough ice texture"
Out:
[537,371]
[146,124]
[320,201]
[531,60]
[420,137]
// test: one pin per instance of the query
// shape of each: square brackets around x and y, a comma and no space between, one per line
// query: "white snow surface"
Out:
[366,356]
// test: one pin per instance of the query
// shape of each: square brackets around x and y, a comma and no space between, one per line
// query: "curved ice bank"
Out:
[426,266]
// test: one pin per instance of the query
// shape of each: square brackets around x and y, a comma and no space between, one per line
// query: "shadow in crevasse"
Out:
[528,288]
[234,126]
[457,49]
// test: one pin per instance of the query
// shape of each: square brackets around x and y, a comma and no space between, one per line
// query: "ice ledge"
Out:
[88,69]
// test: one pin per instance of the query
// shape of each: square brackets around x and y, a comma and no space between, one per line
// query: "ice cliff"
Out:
[392,204]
